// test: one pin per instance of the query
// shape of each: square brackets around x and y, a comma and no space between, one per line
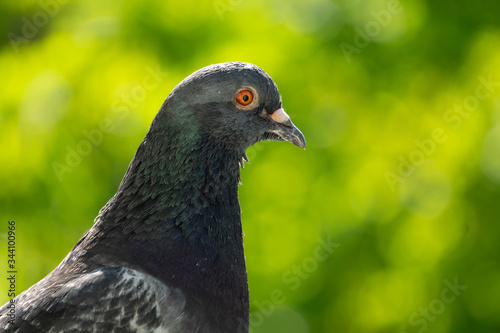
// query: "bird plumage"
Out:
[166,252]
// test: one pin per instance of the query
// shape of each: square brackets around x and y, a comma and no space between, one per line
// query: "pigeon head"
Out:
[235,105]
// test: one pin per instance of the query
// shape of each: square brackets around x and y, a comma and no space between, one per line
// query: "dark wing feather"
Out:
[111,299]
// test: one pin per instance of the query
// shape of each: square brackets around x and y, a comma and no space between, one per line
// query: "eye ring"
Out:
[246,98]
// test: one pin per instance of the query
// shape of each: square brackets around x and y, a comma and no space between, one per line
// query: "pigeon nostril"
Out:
[280,116]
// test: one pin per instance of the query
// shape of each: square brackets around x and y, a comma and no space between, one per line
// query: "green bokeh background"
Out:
[410,211]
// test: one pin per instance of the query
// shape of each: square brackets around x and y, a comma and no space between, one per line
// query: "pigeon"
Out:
[165,254]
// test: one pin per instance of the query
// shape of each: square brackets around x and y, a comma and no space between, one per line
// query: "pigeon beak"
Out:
[286,129]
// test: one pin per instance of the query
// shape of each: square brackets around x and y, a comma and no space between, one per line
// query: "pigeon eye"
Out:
[244,97]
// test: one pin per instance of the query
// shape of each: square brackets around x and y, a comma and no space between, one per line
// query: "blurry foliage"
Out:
[75,71]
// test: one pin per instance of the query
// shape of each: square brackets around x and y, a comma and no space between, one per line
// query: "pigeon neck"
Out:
[178,208]
[190,187]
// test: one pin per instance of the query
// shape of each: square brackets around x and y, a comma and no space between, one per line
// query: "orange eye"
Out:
[245,97]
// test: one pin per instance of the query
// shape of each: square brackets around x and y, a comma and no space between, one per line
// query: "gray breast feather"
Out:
[110,299]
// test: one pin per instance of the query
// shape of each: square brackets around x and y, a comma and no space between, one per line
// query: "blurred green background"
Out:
[400,106]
